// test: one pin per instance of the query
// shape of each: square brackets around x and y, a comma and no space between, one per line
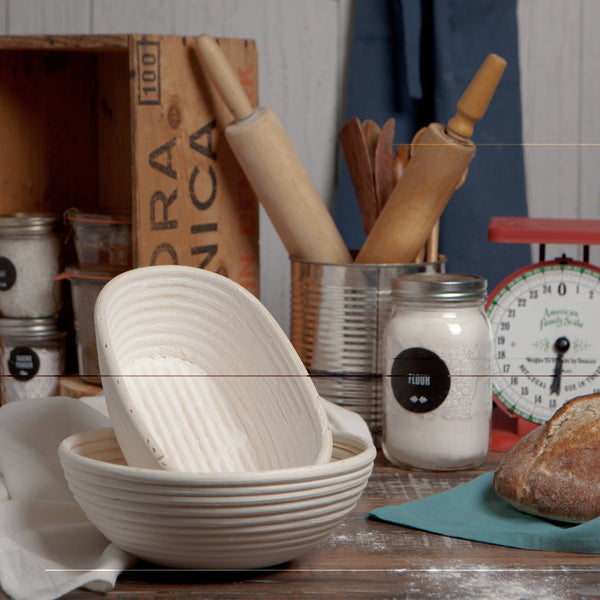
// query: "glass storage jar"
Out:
[32,358]
[30,256]
[86,284]
[437,388]
[101,241]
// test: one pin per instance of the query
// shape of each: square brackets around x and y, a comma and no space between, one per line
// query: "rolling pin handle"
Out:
[224,77]
[476,98]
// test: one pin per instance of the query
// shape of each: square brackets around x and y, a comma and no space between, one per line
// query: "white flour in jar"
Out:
[36,261]
[43,384]
[437,389]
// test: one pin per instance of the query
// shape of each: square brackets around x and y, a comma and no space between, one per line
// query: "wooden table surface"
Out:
[370,559]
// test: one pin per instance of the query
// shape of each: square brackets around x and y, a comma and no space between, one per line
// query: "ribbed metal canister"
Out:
[338,314]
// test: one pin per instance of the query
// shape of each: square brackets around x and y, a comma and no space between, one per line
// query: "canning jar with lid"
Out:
[85,287]
[101,240]
[32,358]
[437,389]
[30,257]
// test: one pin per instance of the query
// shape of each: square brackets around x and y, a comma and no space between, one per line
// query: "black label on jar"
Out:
[420,380]
[23,363]
[8,274]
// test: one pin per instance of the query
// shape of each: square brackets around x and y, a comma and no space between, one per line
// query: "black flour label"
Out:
[420,379]
[23,363]
[8,274]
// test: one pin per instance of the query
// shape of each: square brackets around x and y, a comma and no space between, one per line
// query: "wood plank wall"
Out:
[302,51]
[559,48]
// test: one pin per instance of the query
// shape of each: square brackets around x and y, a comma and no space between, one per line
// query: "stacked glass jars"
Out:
[31,344]
[104,249]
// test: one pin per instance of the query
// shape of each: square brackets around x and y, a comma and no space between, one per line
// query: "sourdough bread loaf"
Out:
[554,471]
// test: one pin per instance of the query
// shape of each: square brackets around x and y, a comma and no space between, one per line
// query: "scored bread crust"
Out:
[554,471]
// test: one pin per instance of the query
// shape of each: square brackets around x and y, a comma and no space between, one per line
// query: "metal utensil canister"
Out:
[338,314]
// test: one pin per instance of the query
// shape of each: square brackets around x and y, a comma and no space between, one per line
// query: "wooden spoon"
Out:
[384,153]
[372,132]
[356,152]
[399,162]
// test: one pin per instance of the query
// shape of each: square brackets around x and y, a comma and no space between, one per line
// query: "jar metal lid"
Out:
[38,328]
[29,223]
[439,287]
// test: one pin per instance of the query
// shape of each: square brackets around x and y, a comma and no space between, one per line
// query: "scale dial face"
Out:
[545,321]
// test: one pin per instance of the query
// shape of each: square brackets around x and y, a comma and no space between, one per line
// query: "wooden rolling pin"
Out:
[436,166]
[274,170]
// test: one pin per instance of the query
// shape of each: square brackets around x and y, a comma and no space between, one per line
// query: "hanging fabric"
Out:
[411,60]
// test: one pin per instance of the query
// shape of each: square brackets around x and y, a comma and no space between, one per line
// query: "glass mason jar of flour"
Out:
[437,382]
[32,353]
[30,256]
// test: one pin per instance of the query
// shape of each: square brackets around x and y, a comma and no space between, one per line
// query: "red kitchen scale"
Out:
[545,320]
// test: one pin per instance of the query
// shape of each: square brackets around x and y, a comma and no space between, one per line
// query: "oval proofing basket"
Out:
[198,376]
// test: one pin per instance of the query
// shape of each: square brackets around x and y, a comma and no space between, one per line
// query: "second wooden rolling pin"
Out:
[436,166]
[278,177]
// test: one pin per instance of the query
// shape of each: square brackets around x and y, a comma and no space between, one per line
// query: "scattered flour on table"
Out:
[365,539]
[492,583]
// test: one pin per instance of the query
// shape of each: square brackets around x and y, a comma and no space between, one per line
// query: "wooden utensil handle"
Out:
[356,152]
[224,77]
[476,98]
[280,181]
[276,173]
[431,176]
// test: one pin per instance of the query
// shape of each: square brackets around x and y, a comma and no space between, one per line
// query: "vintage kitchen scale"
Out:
[545,321]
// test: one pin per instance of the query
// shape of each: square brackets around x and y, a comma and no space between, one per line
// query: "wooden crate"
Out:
[129,124]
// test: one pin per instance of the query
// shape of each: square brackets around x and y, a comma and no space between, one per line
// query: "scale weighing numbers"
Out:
[545,321]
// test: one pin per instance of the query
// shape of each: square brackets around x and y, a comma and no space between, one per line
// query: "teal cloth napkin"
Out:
[473,511]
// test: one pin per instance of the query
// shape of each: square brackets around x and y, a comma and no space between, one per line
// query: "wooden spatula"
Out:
[358,159]
[371,131]
[382,168]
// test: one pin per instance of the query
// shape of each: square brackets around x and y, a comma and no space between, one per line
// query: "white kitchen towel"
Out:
[47,545]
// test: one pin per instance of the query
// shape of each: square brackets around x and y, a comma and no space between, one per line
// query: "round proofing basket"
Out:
[198,376]
[214,520]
